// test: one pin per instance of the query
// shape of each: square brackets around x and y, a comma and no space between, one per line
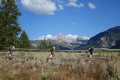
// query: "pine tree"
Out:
[46,46]
[24,40]
[9,26]
[43,45]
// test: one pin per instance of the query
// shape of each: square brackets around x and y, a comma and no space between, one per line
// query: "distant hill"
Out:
[63,42]
[107,39]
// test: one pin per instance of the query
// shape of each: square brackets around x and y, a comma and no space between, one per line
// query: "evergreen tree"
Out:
[46,46]
[50,45]
[24,40]
[57,48]
[9,26]
[43,45]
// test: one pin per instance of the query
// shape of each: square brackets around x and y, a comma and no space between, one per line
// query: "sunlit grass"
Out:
[64,66]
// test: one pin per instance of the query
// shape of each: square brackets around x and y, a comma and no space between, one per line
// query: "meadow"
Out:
[29,65]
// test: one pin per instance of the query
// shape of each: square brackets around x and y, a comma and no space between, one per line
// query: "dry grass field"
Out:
[28,65]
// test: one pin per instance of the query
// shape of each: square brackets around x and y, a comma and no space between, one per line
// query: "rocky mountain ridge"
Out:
[106,39]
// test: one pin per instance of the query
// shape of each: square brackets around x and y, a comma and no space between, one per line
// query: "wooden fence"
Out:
[38,50]
[10,53]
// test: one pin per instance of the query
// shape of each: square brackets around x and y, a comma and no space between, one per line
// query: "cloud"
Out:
[73,3]
[91,5]
[40,6]
[84,37]
[60,7]
[49,36]
[71,37]
[81,5]
[67,36]
[74,23]
[49,7]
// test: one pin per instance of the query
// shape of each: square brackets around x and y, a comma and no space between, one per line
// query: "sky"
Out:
[48,18]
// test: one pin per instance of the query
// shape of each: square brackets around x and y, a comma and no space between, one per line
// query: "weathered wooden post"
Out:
[10,57]
[51,54]
[91,52]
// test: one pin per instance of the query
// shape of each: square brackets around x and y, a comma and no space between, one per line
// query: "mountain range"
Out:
[107,39]
[64,42]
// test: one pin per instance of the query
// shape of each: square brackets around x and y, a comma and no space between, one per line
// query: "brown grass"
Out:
[64,66]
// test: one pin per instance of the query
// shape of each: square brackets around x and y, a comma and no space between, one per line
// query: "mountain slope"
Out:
[117,45]
[106,39]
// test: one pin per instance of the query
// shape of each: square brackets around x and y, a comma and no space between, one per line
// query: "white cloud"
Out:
[49,36]
[40,6]
[49,7]
[73,3]
[84,37]
[60,7]
[68,37]
[74,23]
[81,5]
[71,37]
[91,5]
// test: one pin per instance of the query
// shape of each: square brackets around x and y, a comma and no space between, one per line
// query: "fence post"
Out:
[10,53]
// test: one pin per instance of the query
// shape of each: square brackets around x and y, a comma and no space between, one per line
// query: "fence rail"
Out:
[24,49]
[106,49]
[102,49]
[38,50]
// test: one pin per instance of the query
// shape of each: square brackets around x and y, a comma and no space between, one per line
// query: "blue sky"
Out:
[76,17]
